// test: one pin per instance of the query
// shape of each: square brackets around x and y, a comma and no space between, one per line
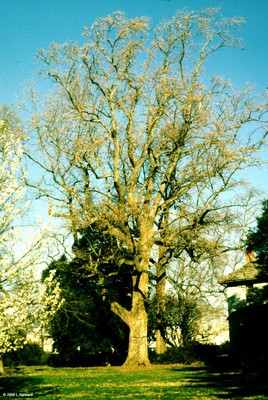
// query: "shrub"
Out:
[195,352]
[29,354]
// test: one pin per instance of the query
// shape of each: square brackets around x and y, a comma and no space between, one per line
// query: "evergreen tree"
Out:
[258,242]
[258,238]
[84,330]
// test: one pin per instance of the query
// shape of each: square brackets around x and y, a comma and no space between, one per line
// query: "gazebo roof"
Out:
[246,275]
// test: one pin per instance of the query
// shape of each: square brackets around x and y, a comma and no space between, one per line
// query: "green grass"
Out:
[158,382]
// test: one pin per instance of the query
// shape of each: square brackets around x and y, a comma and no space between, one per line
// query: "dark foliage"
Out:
[258,241]
[29,354]
[209,354]
[251,349]
[84,330]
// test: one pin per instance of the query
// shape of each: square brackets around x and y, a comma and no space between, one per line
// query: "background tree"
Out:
[134,140]
[21,301]
[258,242]
[258,237]
[192,300]
[17,289]
[84,330]
[179,322]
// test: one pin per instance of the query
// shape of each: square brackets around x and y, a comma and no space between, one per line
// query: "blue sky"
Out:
[28,25]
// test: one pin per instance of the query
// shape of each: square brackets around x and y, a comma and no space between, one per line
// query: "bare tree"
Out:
[132,139]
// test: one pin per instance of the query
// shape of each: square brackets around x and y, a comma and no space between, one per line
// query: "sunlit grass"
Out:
[158,382]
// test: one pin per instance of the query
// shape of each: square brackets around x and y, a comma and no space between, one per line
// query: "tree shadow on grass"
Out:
[229,385]
[25,386]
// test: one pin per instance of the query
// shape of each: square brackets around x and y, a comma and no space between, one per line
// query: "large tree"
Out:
[135,139]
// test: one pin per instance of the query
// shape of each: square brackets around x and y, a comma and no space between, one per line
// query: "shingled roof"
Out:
[246,275]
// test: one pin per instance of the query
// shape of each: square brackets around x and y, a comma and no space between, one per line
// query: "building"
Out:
[247,320]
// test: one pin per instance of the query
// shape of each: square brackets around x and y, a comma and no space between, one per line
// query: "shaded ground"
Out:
[230,385]
[26,383]
[157,382]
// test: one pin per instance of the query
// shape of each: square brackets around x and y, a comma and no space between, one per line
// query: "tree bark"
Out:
[160,345]
[2,369]
[138,343]
[137,321]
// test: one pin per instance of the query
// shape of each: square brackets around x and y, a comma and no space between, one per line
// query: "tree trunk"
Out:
[160,346]
[2,369]
[137,321]
[138,343]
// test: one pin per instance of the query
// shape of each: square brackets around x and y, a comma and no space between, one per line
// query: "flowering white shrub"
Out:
[23,305]
[50,300]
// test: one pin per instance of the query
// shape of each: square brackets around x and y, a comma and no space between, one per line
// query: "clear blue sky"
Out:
[28,25]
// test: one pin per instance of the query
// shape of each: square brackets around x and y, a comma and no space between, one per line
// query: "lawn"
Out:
[157,382]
